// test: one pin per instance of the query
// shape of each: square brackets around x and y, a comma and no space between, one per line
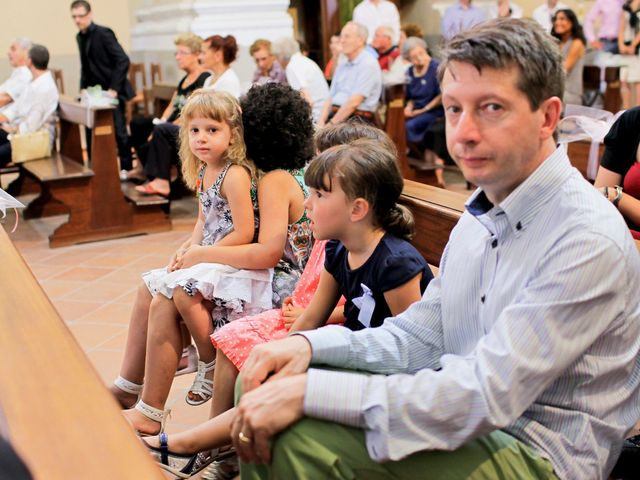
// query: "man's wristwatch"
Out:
[616,200]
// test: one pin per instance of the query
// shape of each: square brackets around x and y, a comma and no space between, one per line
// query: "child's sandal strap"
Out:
[127,386]
[164,448]
[152,413]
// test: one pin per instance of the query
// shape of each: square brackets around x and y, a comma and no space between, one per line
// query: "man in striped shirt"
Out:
[522,358]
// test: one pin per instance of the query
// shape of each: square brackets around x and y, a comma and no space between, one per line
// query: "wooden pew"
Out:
[578,153]
[436,211]
[99,206]
[54,409]
[161,94]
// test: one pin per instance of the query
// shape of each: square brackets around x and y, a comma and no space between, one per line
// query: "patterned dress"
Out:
[237,339]
[296,251]
[234,292]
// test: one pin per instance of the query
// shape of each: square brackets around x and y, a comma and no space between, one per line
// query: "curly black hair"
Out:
[278,130]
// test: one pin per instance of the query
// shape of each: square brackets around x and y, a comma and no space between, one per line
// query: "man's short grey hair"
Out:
[507,42]
[284,48]
[23,42]
[411,43]
[363,33]
[386,30]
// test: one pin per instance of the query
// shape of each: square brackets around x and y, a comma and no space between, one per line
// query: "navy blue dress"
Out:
[421,90]
[393,263]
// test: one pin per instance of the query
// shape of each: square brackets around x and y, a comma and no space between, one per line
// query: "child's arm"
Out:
[237,189]
[321,306]
[276,192]
[177,260]
[399,298]
[291,312]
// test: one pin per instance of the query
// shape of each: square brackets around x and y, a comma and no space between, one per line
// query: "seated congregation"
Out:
[486,370]
[324,342]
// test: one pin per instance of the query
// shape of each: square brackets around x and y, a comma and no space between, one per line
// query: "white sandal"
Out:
[128,387]
[202,386]
[152,413]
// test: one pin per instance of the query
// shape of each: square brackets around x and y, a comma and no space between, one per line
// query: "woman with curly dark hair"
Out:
[568,30]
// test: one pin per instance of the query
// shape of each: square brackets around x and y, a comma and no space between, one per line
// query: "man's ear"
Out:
[551,108]
[359,209]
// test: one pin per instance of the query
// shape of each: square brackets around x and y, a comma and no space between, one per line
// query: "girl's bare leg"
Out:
[224,381]
[133,362]
[164,348]
[195,312]
[214,433]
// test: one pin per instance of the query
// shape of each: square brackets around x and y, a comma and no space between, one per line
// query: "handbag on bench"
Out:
[30,146]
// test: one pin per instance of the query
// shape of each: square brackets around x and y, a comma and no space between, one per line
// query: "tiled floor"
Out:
[93,286]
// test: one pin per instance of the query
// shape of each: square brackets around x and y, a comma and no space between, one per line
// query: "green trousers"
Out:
[314,450]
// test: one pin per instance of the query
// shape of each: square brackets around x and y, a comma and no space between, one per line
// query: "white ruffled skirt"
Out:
[241,292]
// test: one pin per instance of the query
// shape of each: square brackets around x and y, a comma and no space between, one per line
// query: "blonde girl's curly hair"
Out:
[221,107]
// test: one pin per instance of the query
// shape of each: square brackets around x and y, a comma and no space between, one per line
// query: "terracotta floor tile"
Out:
[115,313]
[127,298]
[85,274]
[99,292]
[91,335]
[148,263]
[116,343]
[123,276]
[107,363]
[72,310]
[114,260]
[44,272]
[59,288]
[73,257]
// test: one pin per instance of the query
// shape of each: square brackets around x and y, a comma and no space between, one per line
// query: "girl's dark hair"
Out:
[278,130]
[365,169]
[347,132]
[576,28]
[227,44]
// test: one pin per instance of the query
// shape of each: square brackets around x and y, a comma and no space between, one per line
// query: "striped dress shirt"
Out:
[532,327]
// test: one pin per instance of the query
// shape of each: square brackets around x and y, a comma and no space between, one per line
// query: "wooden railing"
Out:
[58,415]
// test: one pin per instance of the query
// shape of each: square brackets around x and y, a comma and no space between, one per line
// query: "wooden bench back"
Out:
[436,211]
[59,79]
[56,411]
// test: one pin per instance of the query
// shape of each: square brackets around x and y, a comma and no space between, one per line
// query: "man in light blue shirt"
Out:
[357,82]
[460,17]
[522,358]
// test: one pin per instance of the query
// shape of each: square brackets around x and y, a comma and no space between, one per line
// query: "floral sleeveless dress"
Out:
[296,250]
[234,292]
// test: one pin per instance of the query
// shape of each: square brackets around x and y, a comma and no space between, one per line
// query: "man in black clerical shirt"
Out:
[103,62]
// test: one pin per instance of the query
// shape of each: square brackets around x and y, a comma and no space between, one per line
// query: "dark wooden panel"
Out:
[436,212]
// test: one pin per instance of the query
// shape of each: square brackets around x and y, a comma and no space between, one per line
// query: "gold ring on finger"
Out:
[244,438]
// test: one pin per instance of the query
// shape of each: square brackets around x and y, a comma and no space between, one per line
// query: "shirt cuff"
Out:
[329,345]
[335,396]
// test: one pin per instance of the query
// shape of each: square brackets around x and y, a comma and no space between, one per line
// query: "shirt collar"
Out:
[522,205]
[359,58]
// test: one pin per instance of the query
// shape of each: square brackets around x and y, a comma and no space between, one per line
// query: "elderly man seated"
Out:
[303,74]
[12,87]
[267,67]
[383,43]
[35,107]
[357,82]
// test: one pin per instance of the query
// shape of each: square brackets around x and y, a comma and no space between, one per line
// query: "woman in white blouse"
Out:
[217,55]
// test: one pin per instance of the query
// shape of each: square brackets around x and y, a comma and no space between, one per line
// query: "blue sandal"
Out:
[182,466]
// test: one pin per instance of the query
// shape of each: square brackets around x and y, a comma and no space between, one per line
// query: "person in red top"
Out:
[383,43]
